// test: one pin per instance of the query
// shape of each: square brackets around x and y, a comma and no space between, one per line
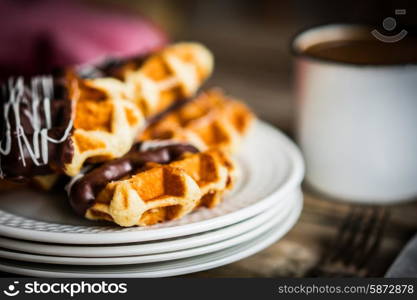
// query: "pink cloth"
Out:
[37,35]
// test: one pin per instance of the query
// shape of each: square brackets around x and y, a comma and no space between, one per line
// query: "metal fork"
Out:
[357,241]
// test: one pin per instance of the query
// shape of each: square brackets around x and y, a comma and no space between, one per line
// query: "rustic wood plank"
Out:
[317,227]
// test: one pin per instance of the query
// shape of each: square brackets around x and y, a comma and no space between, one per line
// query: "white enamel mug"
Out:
[356,124]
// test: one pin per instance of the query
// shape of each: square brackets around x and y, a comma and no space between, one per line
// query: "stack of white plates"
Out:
[40,236]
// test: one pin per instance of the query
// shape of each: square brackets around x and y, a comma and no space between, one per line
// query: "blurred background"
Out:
[251,45]
[250,39]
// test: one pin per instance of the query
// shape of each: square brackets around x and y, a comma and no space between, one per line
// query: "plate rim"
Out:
[293,179]
[264,226]
[218,258]
[137,249]
[162,246]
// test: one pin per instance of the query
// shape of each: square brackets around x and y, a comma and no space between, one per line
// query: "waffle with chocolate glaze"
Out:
[110,112]
[156,195]
[212,120]
[53,126]
[214,173]
[104,126]
[59,124]
[153,82]
[169,182]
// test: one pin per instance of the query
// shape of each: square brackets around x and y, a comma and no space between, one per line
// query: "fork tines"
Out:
[358,239]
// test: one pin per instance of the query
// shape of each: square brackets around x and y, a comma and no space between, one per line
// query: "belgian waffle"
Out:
[212,120]
[105,123]
[159,193]
[110,112]
[174,73]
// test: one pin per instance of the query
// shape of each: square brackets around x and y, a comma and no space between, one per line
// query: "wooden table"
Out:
[302,247]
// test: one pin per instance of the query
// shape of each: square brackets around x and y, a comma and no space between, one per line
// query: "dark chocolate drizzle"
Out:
[58,153]
[84,191]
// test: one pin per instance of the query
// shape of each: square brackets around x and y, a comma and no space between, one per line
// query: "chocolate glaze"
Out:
[84,191]
[58,153]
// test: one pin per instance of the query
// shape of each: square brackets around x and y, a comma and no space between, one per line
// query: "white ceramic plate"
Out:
[270,222]
[152,247]
[270,167]
[162,269]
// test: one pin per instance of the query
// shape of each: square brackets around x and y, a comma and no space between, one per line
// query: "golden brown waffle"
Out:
[110,112]
[210,121]
[105,123]
[160,193]
[214,173]
[172,74]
